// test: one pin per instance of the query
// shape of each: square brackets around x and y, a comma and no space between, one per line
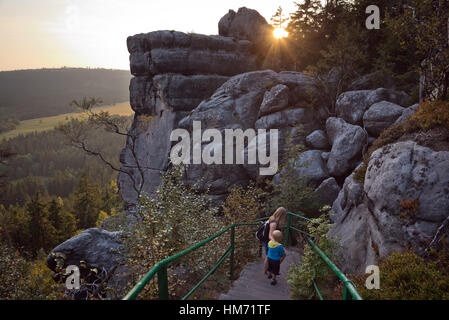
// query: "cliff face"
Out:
[173,72]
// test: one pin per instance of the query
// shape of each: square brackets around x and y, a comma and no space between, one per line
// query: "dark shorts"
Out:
[273,266]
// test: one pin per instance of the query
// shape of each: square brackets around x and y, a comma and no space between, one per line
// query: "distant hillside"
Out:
[28,94]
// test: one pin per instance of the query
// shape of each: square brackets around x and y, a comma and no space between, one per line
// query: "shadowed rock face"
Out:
[98,248]
[245,24]
[352,105]
[174,72]
[378,222]
[188,54]
[347,143]
[380,116]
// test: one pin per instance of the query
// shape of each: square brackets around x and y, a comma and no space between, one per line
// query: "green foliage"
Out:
[341,63]
[13,269]
[406,276]
[177,218]
[332,34]
[87,202]
[244,205]
[45,163]
[430,114]
[313,268]
[423,30]
[42,232]
[21,279]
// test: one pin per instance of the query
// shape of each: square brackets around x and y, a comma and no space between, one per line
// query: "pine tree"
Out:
[87,202]
[42,232]
[278,18]
[62,220]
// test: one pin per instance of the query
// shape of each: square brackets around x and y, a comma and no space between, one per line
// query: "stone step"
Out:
[253,284]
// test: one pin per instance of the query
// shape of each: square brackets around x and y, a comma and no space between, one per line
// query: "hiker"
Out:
[276,254]
[275,222]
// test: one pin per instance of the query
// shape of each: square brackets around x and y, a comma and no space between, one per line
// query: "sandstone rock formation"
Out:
[351,105]
[405,199]
[245,24]
[347,143]
[380,116]
[173,73]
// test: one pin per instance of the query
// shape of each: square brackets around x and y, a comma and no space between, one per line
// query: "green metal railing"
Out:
[349,290]
[160,269]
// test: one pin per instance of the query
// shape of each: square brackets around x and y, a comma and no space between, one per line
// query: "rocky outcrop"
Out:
[347,143]
[245,24]
[327,191]
[275,99]
[174,72]
[351,105]
[162,52]
[318,140]
[98,248]
[99,256]
[405,199]
[309,165]
[236,105]
[407,113]
[380,116]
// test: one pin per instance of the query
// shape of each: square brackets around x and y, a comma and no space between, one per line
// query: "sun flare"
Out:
[279,33]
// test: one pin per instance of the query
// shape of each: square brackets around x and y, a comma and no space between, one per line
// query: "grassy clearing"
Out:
[48,123]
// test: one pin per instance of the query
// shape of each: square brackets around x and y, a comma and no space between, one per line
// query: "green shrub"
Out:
[313,268]
[244,205]
[406,276]
[179,217]
[430,114]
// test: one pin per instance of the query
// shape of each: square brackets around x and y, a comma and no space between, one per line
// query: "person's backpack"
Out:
[263,231]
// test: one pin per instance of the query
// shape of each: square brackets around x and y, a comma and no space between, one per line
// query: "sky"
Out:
[92,33]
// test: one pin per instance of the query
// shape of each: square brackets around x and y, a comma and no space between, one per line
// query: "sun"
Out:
[279,33]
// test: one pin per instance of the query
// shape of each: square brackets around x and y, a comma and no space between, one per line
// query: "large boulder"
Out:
[318,140]
[245,24]
[347,142]
[98,248]
[349,197]
[274,100]
[145,159]
[288,118]
[327,191]
[405,201]
[351,105]
[380,116]
[308,165]
[235,104]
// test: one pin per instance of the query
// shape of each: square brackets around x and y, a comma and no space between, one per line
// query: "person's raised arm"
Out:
[273,227]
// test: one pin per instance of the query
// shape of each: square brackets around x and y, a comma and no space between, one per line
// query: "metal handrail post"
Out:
[162,283]
[231,259]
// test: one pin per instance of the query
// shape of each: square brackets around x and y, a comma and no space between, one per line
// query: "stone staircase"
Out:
[253,284]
